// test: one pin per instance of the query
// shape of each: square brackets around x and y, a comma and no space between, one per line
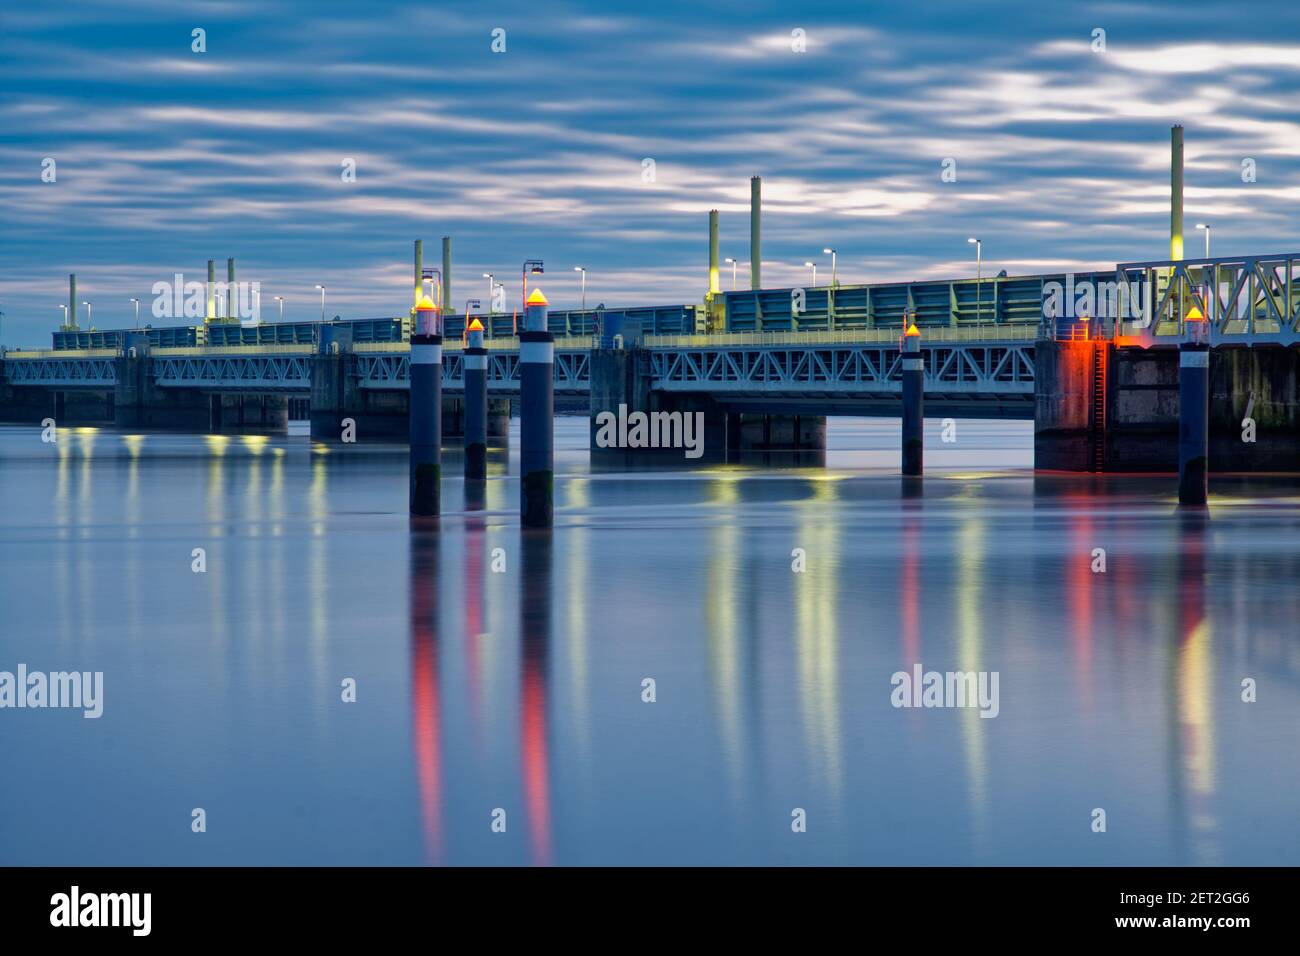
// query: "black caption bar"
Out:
[335,905]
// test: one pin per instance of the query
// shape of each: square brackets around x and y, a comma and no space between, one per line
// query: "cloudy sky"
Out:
[166,157]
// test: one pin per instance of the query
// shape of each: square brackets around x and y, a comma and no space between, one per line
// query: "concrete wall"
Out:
[1142,411]
[1062,399]
[1272,377]
[26,406]
[1141,427]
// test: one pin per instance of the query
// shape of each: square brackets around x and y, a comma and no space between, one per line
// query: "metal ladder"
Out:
[1097,432]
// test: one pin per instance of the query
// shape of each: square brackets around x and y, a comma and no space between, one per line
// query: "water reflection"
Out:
[1192,742]
[519,687]
[426,707]
[534,687]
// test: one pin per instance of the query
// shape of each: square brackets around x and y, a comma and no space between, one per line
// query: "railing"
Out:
[232,351]
[18,355]
[563,343]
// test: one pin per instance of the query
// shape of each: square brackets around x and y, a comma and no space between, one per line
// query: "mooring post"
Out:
[913,401]
[475,404]
[536,416]
[1194,410]
[426,410]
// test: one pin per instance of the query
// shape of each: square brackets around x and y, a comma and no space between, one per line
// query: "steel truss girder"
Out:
[71,373]
[977,368]
[225,372]
[1246,300]
[392,371]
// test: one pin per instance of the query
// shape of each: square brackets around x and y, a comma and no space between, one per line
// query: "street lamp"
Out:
[531,267]
[831,253]
[733,272]
[584,285]
[280,299]
[90,318]
[65,313]
[979,280]
[492,285]
[813,265]
[322,302]
[137,312]
[1206,227]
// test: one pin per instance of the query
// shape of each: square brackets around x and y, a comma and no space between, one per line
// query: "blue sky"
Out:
[166,158]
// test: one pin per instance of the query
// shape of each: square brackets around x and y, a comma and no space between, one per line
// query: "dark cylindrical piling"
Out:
[536,416]
[475,404]
[426,410]
[1194,411]
[913,402]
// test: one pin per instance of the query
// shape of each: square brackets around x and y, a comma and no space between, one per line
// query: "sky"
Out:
[165,157]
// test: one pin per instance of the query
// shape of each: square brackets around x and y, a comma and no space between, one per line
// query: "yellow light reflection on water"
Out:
[578,493]
[970,570]
[724,650]
[256,444]
[817,638]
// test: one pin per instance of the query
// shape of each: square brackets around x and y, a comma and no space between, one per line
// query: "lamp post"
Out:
[813,266]
[733,272]
[979,280]
[65,313]
[322,302]
[90,318]
[280,299]
[831,253]
[584,285]
[1206,227]
[492,286]
[137,312]
[531,267]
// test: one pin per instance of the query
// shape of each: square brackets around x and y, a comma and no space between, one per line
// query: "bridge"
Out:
[773,352]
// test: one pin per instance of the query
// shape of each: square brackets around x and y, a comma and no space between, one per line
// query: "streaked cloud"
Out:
[167,158]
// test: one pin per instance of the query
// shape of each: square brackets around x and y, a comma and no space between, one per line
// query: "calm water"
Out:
[521,690]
